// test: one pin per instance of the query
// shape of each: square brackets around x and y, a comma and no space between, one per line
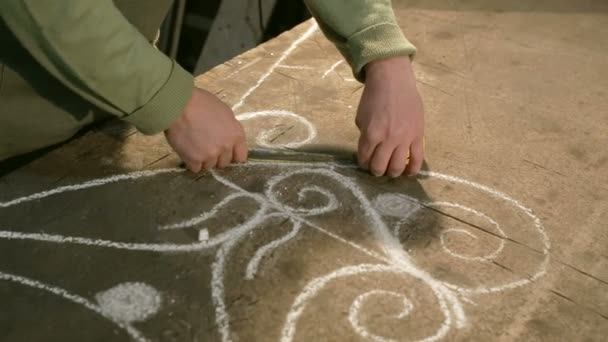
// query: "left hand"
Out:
[391,119]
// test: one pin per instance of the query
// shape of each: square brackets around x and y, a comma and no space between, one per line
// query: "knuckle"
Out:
[399,134]
[213,151]
[374,135]
[226,145]
[193,160]
[416,157]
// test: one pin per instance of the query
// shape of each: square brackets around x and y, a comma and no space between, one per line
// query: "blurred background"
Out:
[202,34]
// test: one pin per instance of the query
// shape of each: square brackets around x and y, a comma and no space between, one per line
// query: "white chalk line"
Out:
[252,266]
[284,55]
[222,318]
[490,256]
[127,327]
[206,215]
[356,307]
[89,184]
[332,68]
[332,201]
[296,67]
[264,138]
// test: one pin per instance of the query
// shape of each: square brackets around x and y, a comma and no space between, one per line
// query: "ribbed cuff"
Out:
[377,42]
[166,106]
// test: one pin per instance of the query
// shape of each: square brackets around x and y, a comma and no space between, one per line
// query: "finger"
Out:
[193,166]
[210,163]
[398,160]
[225,158]
[416,158]
[365,151]
[239,154]
[381,157]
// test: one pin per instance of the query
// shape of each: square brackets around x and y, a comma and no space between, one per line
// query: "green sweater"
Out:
[65,63]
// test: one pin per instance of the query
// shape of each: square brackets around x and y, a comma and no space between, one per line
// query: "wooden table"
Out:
[504,238]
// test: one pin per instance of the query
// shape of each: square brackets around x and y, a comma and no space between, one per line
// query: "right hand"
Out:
[206,134]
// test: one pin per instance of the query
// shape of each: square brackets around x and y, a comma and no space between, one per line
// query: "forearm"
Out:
[363,30]
[91,48]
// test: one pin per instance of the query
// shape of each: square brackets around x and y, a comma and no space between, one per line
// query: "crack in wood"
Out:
[157,160]
[563,296]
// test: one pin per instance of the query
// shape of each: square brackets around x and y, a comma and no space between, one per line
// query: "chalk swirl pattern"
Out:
[391,256]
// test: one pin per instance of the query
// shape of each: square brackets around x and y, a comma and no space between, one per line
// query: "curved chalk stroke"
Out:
[264,138]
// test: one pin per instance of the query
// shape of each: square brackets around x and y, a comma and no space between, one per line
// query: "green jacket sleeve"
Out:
[363,30]
[91,48]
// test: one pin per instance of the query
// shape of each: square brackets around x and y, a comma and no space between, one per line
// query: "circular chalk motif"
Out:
[271,193]
[355,311]
[129,302]
[266,138]
[396,205]
[467,234]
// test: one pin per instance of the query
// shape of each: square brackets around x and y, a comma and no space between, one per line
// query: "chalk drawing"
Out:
[313,27]
[130,302]
[89,184]
[450,297]
[252,266]
[135,302]
[446,232]
[331,68]
[356,307]
[265,137]
[297,67]
[396,205]
[135,334]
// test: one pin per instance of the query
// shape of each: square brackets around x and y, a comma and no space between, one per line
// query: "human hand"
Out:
[207,135]
[391,119]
